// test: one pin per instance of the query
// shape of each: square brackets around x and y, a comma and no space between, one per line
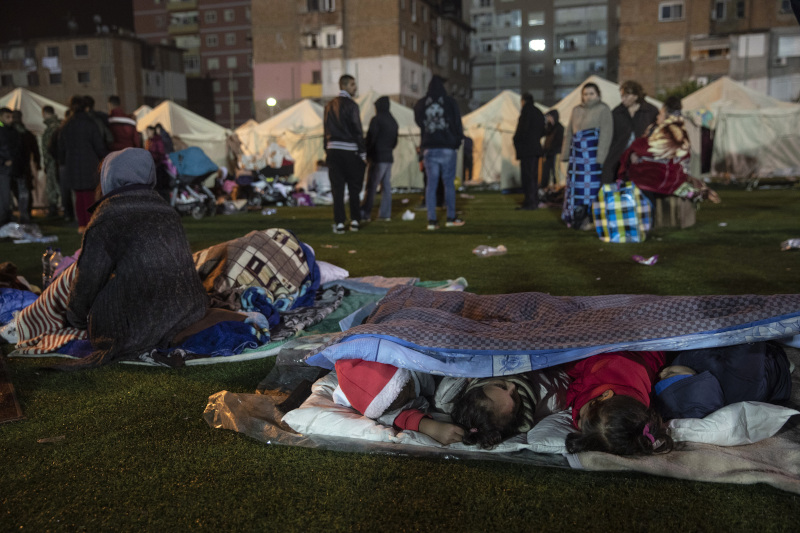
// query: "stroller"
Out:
[263,184]
[188,195]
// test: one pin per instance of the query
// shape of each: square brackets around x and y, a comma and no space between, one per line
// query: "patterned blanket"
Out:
[463,334]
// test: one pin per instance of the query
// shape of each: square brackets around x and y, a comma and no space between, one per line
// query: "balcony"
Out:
[181,5]
[183,29]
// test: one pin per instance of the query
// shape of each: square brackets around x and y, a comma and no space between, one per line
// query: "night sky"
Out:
[30,19]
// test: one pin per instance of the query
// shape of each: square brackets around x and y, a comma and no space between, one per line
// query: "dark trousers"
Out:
[345,169]
[529,175]
[549,170]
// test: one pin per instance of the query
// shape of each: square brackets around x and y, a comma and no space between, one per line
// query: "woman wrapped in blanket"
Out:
[611,393]
[657,162]
[587,139]
[486,411]
[135,286]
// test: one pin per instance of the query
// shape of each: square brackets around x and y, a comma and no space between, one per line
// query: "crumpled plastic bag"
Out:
[647,261]
[486,251]
[24,233]
[789,244]
[408,215]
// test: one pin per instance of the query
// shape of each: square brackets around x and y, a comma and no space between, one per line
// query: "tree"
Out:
[683,90]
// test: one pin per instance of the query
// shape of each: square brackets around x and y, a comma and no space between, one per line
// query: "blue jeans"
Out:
[440,163]
[378,174]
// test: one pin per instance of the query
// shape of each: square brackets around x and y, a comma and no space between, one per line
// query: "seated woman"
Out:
[135,286]
[658,161]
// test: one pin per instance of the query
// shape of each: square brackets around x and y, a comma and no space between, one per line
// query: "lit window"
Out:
[536,45]
[536,18]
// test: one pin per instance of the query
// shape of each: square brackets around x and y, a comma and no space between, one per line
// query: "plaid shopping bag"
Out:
[622,213]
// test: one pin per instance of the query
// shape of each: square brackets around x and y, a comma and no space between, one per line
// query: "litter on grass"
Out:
[408,215]
[486,251]
[25,233]
[647,261]
[789,244]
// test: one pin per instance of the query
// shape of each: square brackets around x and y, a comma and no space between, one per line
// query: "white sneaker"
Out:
[338,228]
[354,225]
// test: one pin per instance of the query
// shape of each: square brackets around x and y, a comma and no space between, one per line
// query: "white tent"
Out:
[31,105]
[405,169]
[141,111]
[190,128]
[251,123]
[491,128]
[755,135]
[297,128]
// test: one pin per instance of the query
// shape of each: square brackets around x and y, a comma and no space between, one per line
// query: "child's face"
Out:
[675,370]
[504,399]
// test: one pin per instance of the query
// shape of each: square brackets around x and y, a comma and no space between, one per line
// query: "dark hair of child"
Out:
[473,412]
[623,426]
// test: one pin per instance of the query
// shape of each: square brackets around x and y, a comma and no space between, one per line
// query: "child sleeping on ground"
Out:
[486,411]
[610,395]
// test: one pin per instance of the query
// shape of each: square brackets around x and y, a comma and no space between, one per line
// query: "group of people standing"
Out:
[349,153]
[71,153]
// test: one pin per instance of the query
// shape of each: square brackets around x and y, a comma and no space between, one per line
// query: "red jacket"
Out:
[626,373]
[123,128]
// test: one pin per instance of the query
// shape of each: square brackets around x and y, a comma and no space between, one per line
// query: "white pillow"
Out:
[329,272]
[549,435]
[733,425]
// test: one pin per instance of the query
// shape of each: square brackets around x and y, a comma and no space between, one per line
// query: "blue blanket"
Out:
[463,334]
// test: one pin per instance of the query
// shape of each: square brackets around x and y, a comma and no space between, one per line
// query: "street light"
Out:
[271,103]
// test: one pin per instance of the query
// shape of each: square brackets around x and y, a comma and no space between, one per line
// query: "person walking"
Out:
[52,190]
[381,140]
[528,145]
[346,153]
[631,118]
[439,120]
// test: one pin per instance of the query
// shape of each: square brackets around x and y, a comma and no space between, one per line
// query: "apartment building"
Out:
[756,42]
[215,36]
[96,65]
[392,47]
[543,47]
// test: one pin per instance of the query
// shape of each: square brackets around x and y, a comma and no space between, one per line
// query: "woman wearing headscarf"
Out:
[135,286]
[587,139]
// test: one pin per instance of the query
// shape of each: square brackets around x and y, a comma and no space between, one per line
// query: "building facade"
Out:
[392,47]
[98,66]
[756,42]
[215,36]
[542,47]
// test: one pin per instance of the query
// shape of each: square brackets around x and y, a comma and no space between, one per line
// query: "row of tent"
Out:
[754,135]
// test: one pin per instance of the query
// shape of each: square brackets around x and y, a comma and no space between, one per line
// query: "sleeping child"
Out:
[486,411]
[611,394]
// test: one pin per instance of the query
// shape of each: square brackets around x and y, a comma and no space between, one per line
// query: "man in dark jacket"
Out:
[439,119]
[631,118]
[381,140]
[346,152]
[26,168]
[122,126]
[80,148]
[554,138]
[528,145]
[10,146]
[100,119]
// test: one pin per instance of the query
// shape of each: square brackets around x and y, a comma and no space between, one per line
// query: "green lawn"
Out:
[136,454]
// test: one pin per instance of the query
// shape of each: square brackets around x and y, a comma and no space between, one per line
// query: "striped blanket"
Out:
[584,177]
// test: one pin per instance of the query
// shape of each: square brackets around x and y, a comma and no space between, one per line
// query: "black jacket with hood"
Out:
[382,133]
[438,117]
[342,123]
[528,136]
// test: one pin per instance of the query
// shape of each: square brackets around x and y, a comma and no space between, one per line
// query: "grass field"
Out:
[136,454]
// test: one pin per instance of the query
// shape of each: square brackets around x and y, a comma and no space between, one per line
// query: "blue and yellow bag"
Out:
[622,213]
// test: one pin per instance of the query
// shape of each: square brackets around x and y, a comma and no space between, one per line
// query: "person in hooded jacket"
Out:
[122,126]
[439,119]
[135,285]
[381,140]
[553,137]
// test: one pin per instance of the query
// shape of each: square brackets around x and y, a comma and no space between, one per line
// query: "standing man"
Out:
[631,118]
[553,139]
[100,119]
[528,145]
[439,120]
[346,153]
[10,146]
[27,167]
[52,192]
[122,126]
[381,140]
